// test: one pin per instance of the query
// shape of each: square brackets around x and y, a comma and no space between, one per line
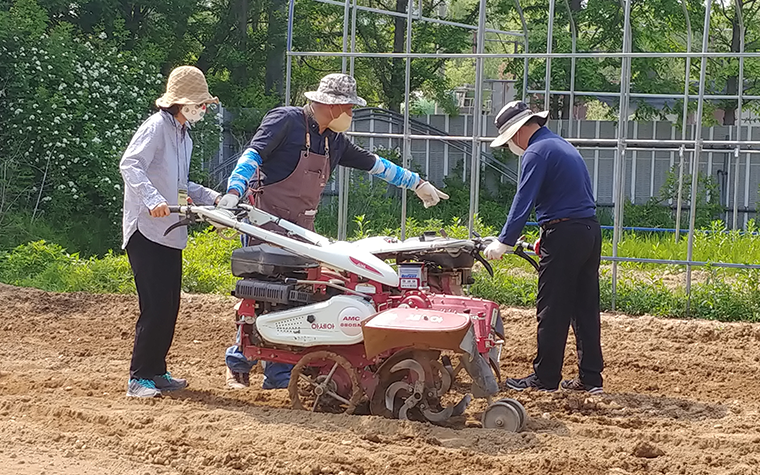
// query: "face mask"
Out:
[194,112]
[515,149]
[340,123]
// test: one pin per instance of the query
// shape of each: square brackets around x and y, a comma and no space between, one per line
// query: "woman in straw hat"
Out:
[155,168]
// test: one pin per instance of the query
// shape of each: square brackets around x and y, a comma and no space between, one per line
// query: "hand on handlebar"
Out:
[495,250]
[160,211]
[228,201]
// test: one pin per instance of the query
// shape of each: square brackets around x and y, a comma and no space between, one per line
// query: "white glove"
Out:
[228,201]
[495,250]
[429,194]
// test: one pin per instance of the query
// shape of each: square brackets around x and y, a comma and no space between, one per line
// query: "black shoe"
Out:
[575,384]
[530,381]
[165,382]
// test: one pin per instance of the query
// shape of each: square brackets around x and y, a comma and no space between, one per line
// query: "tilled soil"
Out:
[682,398]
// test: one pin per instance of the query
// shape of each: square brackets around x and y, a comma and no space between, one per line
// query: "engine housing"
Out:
[336,321]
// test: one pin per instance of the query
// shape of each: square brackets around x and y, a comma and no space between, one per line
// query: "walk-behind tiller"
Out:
[360,333]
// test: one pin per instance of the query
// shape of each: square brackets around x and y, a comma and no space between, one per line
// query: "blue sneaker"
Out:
[142,388]
[165,382]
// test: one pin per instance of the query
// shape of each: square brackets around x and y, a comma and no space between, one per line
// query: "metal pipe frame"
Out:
[697,150]
[343,179]
[621,143]
[289,50]
[622,134]
[641,144]
[549,44]
[580,55]
[574,44]
[477,121]
[737,153]
[419,17]
[407,150]
[638,95]
[684,119]
[526,61]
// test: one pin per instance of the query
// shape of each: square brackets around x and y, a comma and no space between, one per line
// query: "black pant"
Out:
[568,294]
[158,278]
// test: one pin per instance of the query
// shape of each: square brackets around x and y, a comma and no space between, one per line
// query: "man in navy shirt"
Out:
[556,182]
[286,166]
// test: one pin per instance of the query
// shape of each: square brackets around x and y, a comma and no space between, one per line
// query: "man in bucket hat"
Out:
[555,180]
[287,164]
[155,169]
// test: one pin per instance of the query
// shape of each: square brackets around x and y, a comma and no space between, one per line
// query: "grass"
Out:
[720,294]
[714,246]
[48,266]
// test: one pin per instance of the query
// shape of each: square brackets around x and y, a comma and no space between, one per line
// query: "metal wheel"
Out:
[324,381]
[501,415]
[520,411]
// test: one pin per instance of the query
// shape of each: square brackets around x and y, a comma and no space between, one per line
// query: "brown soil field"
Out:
[682,397]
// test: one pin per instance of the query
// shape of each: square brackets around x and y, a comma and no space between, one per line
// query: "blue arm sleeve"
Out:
[394,174]
[533,171]
[246,167]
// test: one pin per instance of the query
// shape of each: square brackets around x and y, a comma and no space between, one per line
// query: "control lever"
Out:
[187,220]
[520,248]
[476,253]
[479,257]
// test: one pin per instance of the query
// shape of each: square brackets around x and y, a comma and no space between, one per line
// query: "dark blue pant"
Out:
[276,375]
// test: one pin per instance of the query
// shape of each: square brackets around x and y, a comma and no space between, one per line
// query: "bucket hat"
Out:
[336,89]
[513,116]
[186,85]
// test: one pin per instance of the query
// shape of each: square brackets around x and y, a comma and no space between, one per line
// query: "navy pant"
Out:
[276,375]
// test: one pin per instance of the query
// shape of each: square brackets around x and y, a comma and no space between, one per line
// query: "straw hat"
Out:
[336,89]
[513,116]
[186,85]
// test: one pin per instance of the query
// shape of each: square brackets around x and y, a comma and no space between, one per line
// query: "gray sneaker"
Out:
[142,388]
[165,382]
[575,384]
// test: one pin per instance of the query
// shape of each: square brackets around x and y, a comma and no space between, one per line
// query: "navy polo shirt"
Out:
[281,138]
[555,180]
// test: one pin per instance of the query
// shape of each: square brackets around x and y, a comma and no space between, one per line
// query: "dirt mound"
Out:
[683,397]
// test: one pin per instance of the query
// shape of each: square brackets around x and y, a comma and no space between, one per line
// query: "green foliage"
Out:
[49,267]
[206,268]
[657,211]
[730,295]
[206,263]
[74,99]
[730,298]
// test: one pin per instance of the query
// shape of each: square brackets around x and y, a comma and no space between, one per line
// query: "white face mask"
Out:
[193,112]
[340,123]
[515,149]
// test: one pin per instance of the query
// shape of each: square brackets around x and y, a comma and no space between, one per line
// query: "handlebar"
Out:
[524,245]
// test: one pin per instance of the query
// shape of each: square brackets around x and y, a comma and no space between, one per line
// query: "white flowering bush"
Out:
[69,106]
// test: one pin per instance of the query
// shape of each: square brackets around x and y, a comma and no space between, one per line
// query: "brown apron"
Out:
[296,198]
